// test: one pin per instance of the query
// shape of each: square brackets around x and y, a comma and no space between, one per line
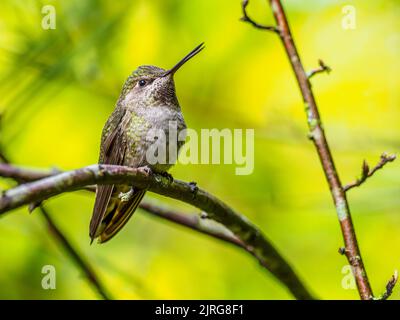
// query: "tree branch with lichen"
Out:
[317,135]
[193,221]
[249,235]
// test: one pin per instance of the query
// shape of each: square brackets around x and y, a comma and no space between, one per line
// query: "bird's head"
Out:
[151,85]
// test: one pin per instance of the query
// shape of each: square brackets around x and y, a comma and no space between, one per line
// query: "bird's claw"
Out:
[203,215]
[146,170]
[167,175]
[193,187]
[126,196]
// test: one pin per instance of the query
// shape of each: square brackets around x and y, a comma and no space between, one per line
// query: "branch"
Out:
[194,222]
[322,68]
[246,18]
[366,172]
[77,258]
[317,135]
[57,233]
[2,158]
[254,241]
[20,174]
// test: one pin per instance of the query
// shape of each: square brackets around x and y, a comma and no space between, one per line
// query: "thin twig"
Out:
[317,135]
[366,172]
[21,174]
[73,252]
[322,68]
[250,235]
[389,287]
[2,159]
[246,18]
[194,222]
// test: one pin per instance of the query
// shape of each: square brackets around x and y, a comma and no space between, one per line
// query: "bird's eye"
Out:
[142,83]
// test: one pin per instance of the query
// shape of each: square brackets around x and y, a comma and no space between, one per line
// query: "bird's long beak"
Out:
[185,59]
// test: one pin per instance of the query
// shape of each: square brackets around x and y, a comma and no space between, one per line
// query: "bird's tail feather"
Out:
[120,216]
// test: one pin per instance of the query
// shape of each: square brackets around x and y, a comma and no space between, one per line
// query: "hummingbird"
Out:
[147,102]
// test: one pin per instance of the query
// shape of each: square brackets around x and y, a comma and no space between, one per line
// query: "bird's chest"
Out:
[149,130]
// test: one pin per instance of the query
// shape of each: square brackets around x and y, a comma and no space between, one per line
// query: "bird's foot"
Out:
[146,170]
[193,188]
[167,175]
[126,196]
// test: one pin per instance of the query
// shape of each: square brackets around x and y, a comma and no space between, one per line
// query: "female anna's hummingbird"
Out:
[147,102]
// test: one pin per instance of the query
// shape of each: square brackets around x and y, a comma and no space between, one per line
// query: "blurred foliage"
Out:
[57,88]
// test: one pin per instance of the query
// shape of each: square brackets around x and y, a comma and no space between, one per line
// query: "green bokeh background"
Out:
[57,88]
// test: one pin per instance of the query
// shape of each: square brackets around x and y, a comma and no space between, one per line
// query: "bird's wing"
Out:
[112,151]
